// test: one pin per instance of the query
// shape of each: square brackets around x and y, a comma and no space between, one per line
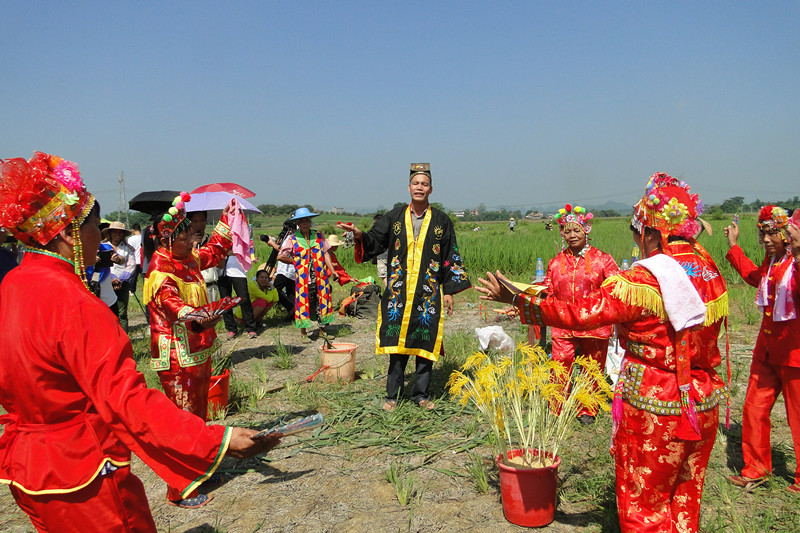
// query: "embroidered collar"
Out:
[579,254]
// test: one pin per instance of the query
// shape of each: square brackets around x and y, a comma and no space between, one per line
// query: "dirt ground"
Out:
[343,489]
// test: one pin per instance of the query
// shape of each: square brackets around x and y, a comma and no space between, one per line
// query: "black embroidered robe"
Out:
[419,272]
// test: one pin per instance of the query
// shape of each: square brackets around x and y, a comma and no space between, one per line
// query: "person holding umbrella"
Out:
[232,277]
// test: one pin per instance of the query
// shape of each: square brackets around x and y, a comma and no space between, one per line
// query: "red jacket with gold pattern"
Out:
[778,343]
[174,286]
[632,299]
[571,278]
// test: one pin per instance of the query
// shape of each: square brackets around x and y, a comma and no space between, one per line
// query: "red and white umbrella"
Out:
[233,188]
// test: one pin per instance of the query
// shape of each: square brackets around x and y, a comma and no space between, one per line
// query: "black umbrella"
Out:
[153,202]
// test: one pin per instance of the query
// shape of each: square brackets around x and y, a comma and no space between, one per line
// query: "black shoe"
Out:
[586,420]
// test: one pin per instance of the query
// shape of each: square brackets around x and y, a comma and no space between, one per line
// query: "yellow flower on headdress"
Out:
[674,211]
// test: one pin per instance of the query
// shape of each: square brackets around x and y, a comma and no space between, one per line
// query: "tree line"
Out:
[736,204]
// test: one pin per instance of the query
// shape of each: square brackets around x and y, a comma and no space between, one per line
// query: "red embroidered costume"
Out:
[666,401]
[776,356]
[571,277]
[76,406]
[181,351]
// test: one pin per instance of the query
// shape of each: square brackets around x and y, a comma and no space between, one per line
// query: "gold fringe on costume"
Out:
[716,309]
[193,293]
[638,294]
[649,298]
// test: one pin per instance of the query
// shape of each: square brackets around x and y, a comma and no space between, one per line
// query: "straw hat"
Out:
[334,240]
[116,225]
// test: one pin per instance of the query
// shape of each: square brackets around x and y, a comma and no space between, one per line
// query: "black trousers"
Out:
[226,287]
[395,381]
[123,298]
[135,278]
[285,287]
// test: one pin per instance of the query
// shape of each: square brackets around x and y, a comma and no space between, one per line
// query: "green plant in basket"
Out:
[522,397]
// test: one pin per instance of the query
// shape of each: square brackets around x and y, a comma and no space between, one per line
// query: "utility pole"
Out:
[122,208]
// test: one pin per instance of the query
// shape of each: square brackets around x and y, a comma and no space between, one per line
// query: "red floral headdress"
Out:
[669,206]
[772,218]
[40,197]
[574,215]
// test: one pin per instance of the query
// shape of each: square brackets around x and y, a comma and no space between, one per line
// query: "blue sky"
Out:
[327,103]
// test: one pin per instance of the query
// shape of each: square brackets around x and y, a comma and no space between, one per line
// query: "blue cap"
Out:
[303,212]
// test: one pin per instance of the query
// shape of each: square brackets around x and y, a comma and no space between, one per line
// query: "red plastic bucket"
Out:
[528,494]
[218,392]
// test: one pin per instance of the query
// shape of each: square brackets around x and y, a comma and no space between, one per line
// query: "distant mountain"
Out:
[619,207]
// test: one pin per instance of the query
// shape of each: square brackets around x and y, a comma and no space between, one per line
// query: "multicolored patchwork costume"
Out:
[309,262]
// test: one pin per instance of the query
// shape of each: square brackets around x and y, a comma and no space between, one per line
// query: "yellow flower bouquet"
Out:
[523,398]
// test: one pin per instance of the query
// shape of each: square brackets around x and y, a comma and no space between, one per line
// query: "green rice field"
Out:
[515,253]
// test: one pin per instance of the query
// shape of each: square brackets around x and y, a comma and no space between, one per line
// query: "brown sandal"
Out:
[427,404]
[747,483]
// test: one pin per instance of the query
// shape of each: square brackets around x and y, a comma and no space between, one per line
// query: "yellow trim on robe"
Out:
[223,448]
[118,464]
[193,293]
[413,271]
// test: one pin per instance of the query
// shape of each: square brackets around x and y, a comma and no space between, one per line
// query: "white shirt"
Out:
[135,242]
[233,269]
[286,270]
[107,294]
[125,271]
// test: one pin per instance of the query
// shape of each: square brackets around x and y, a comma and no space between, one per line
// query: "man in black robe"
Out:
[425,271]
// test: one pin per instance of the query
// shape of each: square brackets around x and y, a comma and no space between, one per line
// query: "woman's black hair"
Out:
[149,244]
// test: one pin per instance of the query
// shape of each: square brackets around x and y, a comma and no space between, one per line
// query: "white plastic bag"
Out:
[496,338]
